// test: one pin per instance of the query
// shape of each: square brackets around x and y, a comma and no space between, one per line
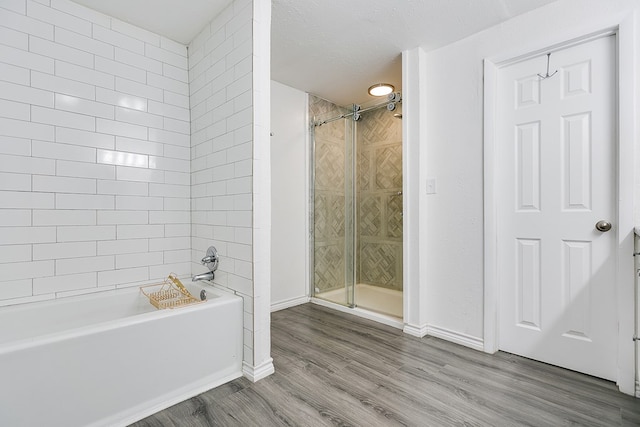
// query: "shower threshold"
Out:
[373,302]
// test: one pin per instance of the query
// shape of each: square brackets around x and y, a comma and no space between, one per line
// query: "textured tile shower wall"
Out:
[94,152]
[378,225]
[329,209]
[379,198]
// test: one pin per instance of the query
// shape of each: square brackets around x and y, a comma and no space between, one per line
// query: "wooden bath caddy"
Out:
[171,293]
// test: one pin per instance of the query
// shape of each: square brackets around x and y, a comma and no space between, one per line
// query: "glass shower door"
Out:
[379,228]
[333,204]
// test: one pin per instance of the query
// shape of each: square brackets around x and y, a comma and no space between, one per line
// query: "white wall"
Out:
[226,136]
[94,152]
[452,220]
[289,203]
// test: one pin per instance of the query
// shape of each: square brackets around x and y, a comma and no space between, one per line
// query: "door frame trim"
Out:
[627,111]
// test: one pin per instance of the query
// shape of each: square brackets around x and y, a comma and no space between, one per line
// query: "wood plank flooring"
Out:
[336,369]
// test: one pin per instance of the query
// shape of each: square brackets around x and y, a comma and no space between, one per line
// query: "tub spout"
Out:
[204,276]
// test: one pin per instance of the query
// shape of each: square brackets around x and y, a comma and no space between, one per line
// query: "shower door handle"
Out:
[398,194]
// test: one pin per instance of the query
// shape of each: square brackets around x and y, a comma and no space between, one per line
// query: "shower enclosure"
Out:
[356,206]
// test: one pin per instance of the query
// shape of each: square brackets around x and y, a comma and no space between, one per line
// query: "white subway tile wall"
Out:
[221,150]
[94,153]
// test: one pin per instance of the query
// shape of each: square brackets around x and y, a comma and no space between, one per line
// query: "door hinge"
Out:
[636,338]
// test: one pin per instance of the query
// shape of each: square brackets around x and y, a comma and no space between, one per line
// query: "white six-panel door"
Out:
[556,145]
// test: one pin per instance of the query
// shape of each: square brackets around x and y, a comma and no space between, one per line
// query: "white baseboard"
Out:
[456,337]
[289,303]
[256,373]
[415,330]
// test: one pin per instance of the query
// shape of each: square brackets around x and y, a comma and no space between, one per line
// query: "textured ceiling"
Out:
[333,49]
[178,20]
[338,49]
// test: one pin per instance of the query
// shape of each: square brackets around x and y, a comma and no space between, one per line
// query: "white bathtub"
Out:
[111,358]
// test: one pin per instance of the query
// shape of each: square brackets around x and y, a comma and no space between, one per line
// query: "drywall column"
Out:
[262,365]
[413,109]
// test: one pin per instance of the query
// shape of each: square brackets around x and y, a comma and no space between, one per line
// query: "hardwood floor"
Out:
[337,369]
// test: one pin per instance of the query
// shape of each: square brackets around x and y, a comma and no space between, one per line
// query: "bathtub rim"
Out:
[221,297]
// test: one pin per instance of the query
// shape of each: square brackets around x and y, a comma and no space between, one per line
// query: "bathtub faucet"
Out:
[204,276]
[211,262]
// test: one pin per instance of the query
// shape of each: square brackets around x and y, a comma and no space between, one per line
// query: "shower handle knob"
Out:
[211,259]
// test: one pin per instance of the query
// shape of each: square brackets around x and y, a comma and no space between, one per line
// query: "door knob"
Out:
[603,226]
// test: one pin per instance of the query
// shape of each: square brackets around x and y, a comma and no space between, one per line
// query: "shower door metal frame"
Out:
[350,205]
[311,205]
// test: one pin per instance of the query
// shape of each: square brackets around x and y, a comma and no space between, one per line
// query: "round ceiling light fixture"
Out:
[381,89]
